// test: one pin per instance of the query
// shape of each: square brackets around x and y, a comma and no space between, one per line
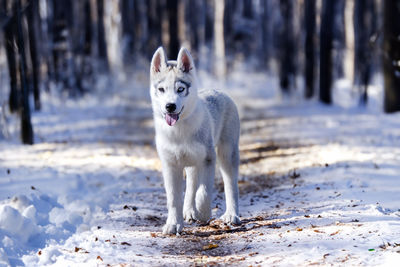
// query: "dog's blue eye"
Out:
[161,89]
[181,89]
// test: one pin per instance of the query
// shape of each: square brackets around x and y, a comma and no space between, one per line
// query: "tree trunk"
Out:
[265,39]
[219,43]
[88,39]
[33,11]
[9,30]
[364,29]
[154,19]
[310,21]
[173,46]
[325,82]
[26,126]
[209,18]
[128,29]
[193,19]
[349,37]
[287,69]
[101,37]
[391,55]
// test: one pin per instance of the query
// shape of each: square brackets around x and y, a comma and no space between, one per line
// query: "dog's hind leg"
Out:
[189,209]
[205,188]
[228,159]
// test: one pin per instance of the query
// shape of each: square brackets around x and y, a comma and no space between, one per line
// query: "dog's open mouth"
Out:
[172,118]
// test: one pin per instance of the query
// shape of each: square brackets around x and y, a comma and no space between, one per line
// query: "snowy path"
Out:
[319,186]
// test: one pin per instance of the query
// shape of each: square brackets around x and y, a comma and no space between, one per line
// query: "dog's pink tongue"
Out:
[171,118]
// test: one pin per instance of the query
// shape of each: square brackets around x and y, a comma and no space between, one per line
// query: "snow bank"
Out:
[27,222]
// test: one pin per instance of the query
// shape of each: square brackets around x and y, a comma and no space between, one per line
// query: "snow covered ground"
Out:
[319,186]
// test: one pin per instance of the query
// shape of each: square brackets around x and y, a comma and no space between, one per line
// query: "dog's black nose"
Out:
[170,107]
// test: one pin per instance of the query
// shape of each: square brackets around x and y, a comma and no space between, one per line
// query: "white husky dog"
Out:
[193,129]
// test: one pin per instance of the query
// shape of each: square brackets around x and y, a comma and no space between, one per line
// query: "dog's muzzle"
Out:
[172,118]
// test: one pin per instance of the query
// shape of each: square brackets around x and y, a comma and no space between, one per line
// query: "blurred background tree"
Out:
[63,45]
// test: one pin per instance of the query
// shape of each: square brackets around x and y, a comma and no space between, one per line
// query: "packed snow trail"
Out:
[319,185]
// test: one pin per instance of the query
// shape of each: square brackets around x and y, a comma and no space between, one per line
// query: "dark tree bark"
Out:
[154,11]
[248,38]
[229,31]
[59,39]
[325,82]
[192,18]
[101,37]
[310,21]
[87,50]
[287,65]
[10,47]
[339,38]
[265,33]
[128,17]
[173,46]
[391,55]
[128,26]
[25,113]
[32,14]
[141,26]
[209,22]
[46,37]
[364,28]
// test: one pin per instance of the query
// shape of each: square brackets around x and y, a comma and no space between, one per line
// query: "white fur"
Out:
[208,129]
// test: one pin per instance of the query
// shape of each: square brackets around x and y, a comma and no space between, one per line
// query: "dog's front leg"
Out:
[173,187]
[189,209]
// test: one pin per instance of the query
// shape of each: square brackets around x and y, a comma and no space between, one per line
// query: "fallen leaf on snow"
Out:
[210,246]
[335,233]
[80,250]
[219,237]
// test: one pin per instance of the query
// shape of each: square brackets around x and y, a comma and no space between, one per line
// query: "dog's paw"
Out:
[171,229]
[231,219]
[189,215]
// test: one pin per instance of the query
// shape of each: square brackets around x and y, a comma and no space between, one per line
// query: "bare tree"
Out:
[173,46]
[129,29]
[25,112]
[391,55]
[32,14]
[325,82]
[364,29]
[310,23]
[101,38]
[265,33]
[219,43]
[154,13]
[349,37]
[287,58]
[10,47]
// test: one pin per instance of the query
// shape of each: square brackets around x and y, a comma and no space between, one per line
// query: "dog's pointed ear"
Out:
[159,61]
[185,60]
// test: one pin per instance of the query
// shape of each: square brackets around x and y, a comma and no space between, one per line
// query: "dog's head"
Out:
[173,86]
